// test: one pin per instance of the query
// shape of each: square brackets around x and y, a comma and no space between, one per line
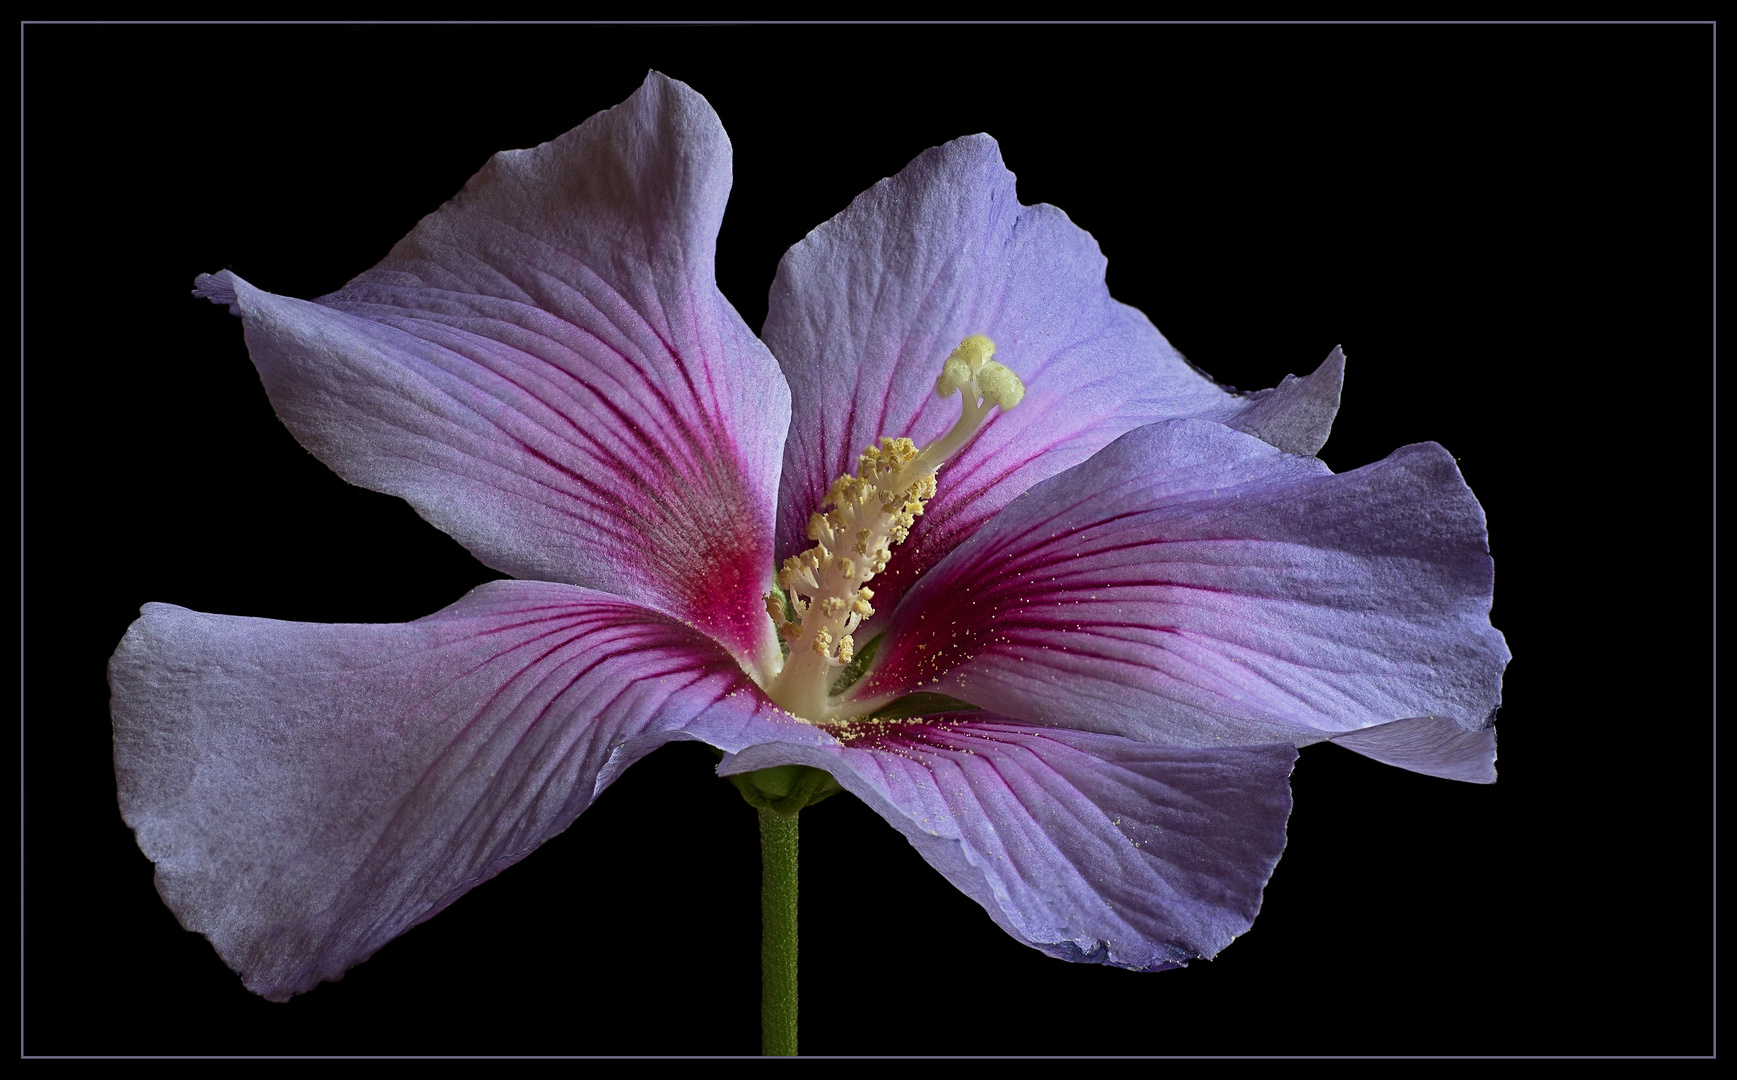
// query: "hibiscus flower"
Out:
[957,530]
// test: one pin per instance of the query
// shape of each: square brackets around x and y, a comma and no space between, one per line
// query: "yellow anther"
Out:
[855,527]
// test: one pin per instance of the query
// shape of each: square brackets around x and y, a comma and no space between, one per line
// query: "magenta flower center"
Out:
[823,593]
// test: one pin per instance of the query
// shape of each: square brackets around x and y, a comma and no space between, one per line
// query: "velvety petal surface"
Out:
[308,792]
[1297,415]
[866,308]
[1428,744]
[546,370]
[1193,586]
[1089,847]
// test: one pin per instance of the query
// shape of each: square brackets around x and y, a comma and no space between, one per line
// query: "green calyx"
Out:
[785,789]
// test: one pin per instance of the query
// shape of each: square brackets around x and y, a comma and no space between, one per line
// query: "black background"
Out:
[1508,228]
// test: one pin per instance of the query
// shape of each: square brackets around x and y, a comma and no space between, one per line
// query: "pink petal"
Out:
[546,370]
[866,307]
[1192,586]
[1428,744]
[1088,847]
[309,792]
[1297,414]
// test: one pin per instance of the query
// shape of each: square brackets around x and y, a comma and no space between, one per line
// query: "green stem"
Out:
[778,842]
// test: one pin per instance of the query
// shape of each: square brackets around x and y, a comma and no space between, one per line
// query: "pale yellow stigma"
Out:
[858,523]
[970,368]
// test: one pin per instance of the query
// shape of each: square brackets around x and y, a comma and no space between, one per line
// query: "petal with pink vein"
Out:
[308,792]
